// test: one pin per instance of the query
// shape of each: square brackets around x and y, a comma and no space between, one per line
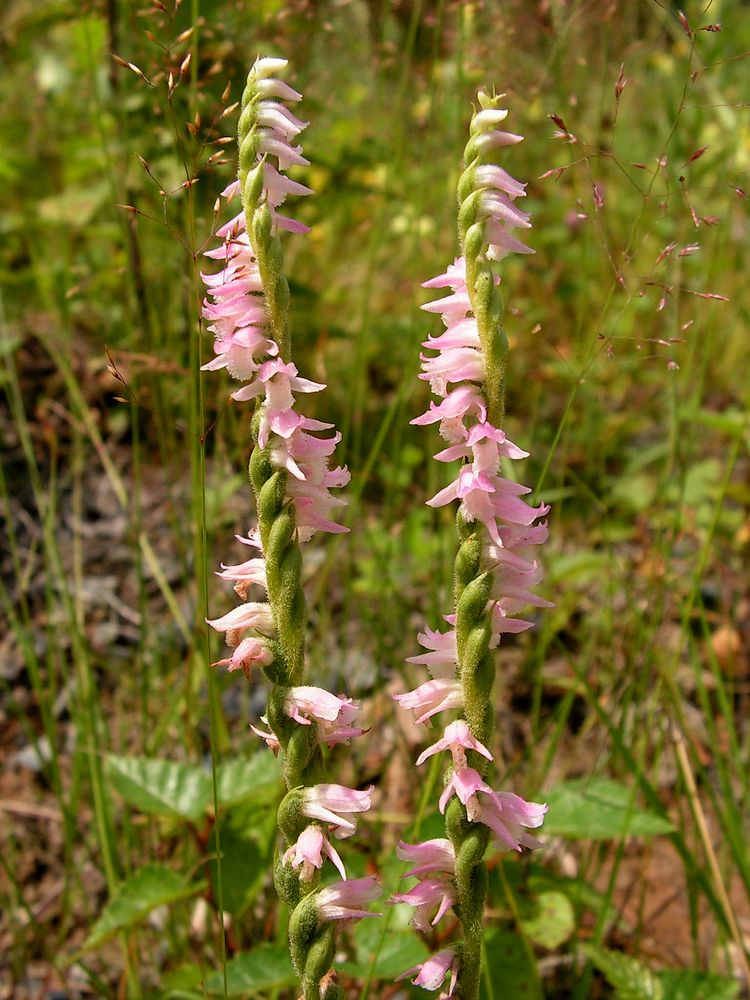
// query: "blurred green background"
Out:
[123,481]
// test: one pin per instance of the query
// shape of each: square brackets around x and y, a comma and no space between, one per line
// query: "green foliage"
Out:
[266,967]
[169,788]
[689,984]
[150,887]
[510,967]
[247,840]
[599,809]
[164,787]
[382,953]
[631,979]
[548,919]
[255,779]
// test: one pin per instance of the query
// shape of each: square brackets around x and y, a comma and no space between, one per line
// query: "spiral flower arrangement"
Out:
[246,308]
[495,569]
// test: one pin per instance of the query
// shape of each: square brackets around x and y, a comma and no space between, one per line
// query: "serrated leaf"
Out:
[548,919]
[250,778]
[134,899]
[599,809]
[264,968]
[164,787]
[510,964]
[631,979]
[689,984]
[393,951]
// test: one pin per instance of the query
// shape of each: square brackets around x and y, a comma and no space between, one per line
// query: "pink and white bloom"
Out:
[443,654]
[465,782]
[431,895]
[431,856]
[431,697]
[251,614]
[454,277]
[492,176]
[278,381]
[246,574]
[489,499]
[461,402]
[509,816]
[269,738]
[344,900]
[308,851]
[485,445]
[457,738]
[455,364]
[430,974]
[276,129]
[333,715]
[335,804]
[248,653]
[314,704]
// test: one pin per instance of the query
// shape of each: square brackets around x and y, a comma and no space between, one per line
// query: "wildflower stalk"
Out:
[476,672]
[492,573]
[291,482]
[264,237]
[472,584]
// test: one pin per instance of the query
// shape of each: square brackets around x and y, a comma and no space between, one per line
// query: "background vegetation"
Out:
[125,760]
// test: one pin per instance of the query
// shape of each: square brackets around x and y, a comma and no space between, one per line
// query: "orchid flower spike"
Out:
[495,572]
[294,480]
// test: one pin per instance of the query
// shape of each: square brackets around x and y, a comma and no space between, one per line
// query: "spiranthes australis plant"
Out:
[494,571]
[247,311]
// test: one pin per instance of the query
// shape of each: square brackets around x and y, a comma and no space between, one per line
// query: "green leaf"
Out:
[578,567]
[599,809]
[689,984]
[510,968]
[74,207]
[548,919]
[163,787]
[730,421]
[635,491]
[528,880]
[263,968]
[243,866]
[151,886]
[257,777]
[393,951]
[186,978]
[631,979]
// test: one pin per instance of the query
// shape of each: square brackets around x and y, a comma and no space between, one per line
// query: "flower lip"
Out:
[308,850]
[457,736]
[431,697]
[431,973]
[344,900]
[436,855]
[509,816]
[429,894]
[265,66]
[334,804]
